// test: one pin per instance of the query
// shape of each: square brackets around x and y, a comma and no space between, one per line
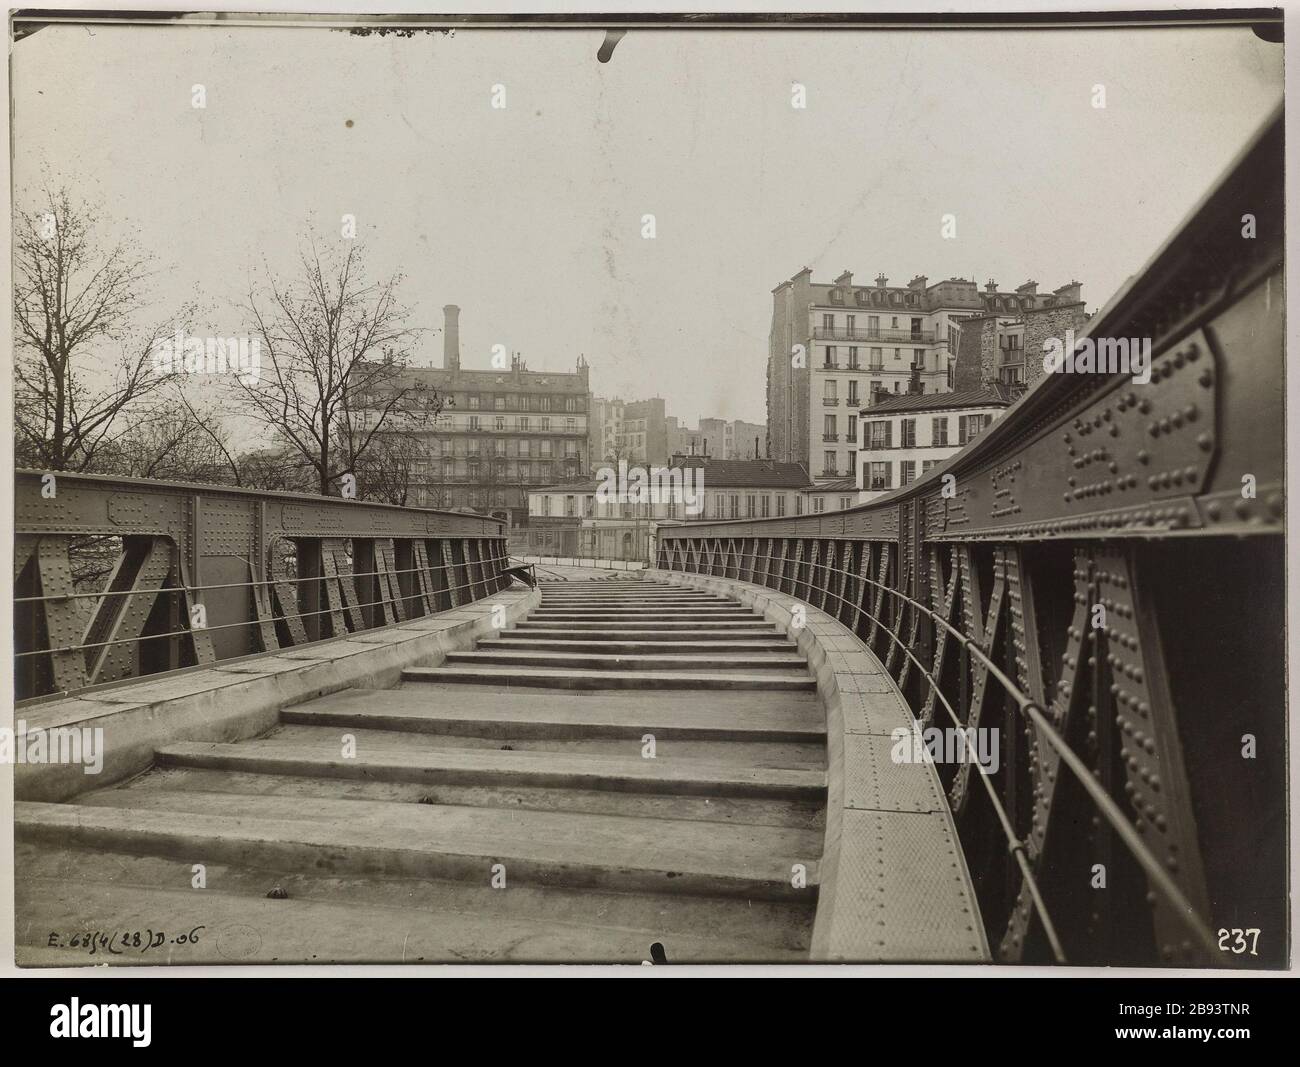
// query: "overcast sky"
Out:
[529,217]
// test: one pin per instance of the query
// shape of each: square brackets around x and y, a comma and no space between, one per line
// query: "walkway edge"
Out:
[242,698]
[895,887]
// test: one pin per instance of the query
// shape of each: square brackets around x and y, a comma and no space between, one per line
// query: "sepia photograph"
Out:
[648,490]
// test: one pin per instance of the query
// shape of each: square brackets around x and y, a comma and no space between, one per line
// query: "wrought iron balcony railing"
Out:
[860,333]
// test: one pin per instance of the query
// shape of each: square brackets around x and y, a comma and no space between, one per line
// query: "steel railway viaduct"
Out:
[340,731]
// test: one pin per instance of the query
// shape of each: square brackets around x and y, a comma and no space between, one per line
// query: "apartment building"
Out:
[904,436]
[833,346]
[636,431]
[724,439]
[500,434]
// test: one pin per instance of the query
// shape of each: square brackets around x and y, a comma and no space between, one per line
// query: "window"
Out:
[845,501]
[898,353]
[766,509]
[751,505]
[852,435]
[852,467]
[828,462]
[828,428]
[819,504]
[916,327]
[499,423]
[546,423]
[908,433]
[926,464]
[798,504]
[828,322]
[893,322]
[1013,374]
[853,392]
[969,427]
[918,358]
[499,403]
[907,472]
[523,423]
[879,476]
[570,425]
[853,358]
[830,356]
[877,358]
[546,505]
[873,324]
[570,507]
[830,392]
[780,505]
[837,297]
[939,430]
[879,434]
[873,390]
[733,506]
[473,422]
[849,330]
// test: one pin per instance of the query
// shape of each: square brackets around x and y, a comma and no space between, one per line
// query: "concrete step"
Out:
[562,770]
[637,598]
[357,919]
[355,837]
[744,643]
[545,715]
[678,661]
[804,814]
[755,625]
[710,615]
[758,632]
[574,678]
[376,742]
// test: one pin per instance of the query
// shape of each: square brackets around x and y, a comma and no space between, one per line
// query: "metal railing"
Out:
[117,578]
[1102,585]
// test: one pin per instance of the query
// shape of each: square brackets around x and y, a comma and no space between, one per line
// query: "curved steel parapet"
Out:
[117,578]
[1098,577]
[892,883]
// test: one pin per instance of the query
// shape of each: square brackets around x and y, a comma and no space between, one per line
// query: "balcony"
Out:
[830,401]
[859,333]
[830,437]
[832,473]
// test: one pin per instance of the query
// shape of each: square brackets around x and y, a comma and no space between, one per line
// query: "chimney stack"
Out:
[451,338]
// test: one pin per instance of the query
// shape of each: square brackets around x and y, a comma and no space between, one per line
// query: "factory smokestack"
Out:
[451,338]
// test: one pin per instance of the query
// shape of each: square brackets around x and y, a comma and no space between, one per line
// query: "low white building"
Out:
[904,436]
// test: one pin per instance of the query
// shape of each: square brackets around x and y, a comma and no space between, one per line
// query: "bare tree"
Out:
[81,362]
[179,443]
[334,354]
[392,468]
